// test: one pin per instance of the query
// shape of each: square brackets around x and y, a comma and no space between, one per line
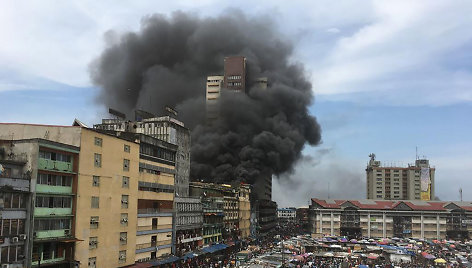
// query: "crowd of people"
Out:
[420,253]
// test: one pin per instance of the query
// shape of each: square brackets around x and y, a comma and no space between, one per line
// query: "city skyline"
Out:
[387,78]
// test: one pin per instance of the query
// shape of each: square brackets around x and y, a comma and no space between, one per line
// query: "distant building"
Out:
[263,217]
[286,214]
[414,182]
[402,218]
[302,218]
[235,73]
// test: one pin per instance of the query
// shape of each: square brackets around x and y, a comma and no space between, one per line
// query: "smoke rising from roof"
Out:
[167,62]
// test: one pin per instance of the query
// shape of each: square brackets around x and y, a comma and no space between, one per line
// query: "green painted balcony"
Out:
[50,189]
[53,165]
[52,211]
[52,234]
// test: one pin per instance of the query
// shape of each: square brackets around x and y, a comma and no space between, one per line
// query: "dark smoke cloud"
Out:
[167,63]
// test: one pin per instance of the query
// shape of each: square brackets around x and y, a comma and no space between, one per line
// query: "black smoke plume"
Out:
[167,62]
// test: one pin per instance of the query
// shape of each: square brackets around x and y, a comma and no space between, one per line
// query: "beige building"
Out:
[414,182]
[244,214]
[125,192]
[106,200]
[155,198]
[106,204]
[214,86]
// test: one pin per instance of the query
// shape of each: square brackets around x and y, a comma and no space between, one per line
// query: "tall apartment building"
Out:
[382,218]
[171,130]
[38,184]
[414,182]
[107,188]
[164,128]
[124,195]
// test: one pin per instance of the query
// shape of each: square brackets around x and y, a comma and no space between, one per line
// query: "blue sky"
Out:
[388,76]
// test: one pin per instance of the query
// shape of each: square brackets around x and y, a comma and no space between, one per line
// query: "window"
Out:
[92,262]
[127,148]
[123,238]
[94,222]
[125,164]
[53,202]
[125,182]
[51,224]
[93,242]
[122,256]
[124,201]
[54,180]
[96,181]
[98,141]
[55,156]
[124,219]
[95,202]
[98,160]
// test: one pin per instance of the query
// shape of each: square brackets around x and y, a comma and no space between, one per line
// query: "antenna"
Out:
[460,193]
[416,152]
[328,189]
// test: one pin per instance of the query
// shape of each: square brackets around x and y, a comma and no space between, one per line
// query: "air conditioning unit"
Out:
[5,265]
[124,220]
[14,239]
[124,201]
[92,243]
[122,257]
[122,238]
[66,232]
[93,221]
[22,237]
[34,234]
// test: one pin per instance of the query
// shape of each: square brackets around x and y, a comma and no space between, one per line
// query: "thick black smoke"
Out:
[167,63]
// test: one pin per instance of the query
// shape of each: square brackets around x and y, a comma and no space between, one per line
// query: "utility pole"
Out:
[283,249]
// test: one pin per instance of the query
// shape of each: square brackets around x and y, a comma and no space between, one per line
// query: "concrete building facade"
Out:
[244,213]
[164,128]
[124,195]
[235,73]
[381,219]
[189,224]
[414,182]
[43,231]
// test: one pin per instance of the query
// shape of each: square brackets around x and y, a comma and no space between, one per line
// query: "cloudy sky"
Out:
[388,76]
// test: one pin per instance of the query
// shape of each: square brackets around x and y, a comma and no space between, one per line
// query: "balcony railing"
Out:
[51,234]
[53,189]
[154,244]
[48,164]
[154,210]
[154,227]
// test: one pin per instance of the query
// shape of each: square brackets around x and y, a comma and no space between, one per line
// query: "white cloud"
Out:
[412,40]
[333,30]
